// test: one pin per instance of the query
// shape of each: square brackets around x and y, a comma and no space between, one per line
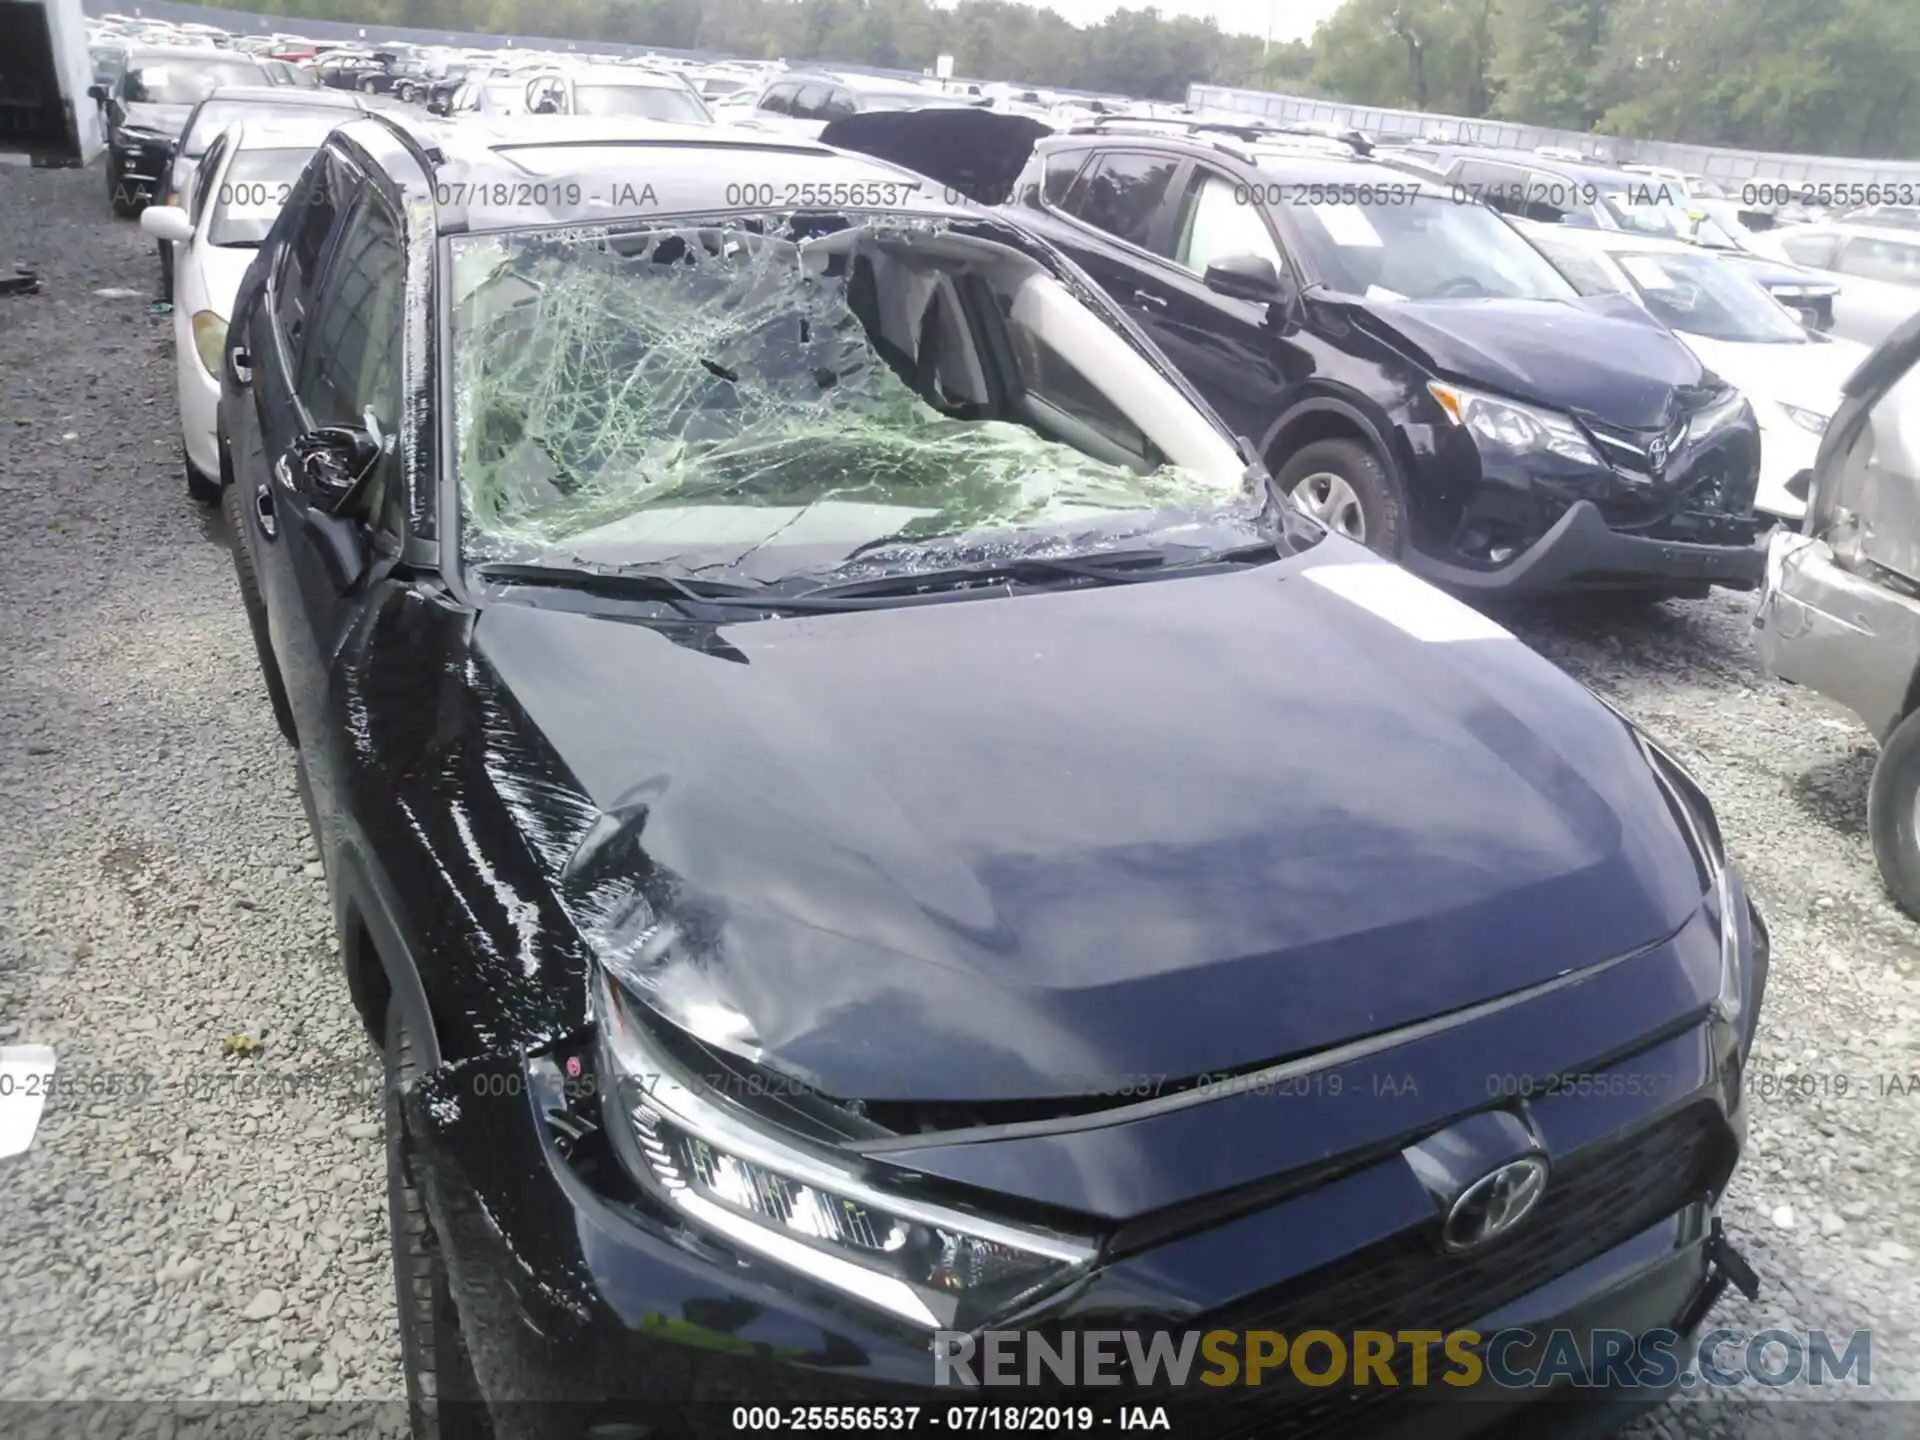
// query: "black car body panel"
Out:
[1019,927]
[1025,884]
[1335,363]
[1624,370]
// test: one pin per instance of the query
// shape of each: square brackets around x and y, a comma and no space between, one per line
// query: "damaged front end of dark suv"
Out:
[858,815]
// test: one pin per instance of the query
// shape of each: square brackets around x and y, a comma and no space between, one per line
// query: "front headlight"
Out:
[731,1174]
[1730,898]
[1507,427]
[1732,1001]
[209,340]
[1811,420]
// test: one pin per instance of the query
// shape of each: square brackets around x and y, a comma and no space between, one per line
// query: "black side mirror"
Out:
[1249,277]
[98,92]
[330,465]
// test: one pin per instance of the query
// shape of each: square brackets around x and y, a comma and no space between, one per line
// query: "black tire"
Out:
[1382,518]
[201,489]
[1891,801]
[256,611]
[443,1398]
[122,197]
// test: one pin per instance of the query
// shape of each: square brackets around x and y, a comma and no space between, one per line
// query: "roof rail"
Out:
[429,156]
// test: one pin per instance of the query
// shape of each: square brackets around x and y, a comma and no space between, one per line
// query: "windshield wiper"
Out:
[1118,567]
[696,599]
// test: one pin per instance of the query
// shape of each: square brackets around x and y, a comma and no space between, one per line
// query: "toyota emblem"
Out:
[1495,1204]
[1657,455]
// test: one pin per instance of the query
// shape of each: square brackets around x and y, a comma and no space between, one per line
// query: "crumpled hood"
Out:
[1618,367]
[163,119]
[1808,376]
[1040,845]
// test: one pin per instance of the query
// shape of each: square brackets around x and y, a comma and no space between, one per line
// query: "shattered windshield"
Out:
[686,398]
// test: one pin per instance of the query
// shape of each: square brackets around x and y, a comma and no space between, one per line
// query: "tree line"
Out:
[1813,76]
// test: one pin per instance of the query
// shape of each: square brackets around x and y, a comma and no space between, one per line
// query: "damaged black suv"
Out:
[1407,365]
[856,814]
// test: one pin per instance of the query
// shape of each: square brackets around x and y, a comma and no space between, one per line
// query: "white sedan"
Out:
[1792,375]
[238,189]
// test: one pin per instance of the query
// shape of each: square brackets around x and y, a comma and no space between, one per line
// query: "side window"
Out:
[547,96]
[1501,186]
[811,102]
[1550,198]
[352,367]
[1061,168]
[1880,260]
[1123,195]
[1216,224]
[1815,249]
[839,103]
[203,179]
[317,201]
[778,100]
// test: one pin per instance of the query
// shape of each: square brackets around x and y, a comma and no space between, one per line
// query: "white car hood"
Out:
[1808,376]
[221,269]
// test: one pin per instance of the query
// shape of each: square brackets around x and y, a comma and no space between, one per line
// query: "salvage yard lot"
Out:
[194,1223]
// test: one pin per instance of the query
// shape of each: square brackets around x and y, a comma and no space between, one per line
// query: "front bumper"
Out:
[143,164]
[580,1312]
[199,396]
[1835,632]
[1582,552]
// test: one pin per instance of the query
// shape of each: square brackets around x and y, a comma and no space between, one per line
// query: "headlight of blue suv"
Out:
[1730,897]
[732,1175]
[1507,427]
[1734,1000]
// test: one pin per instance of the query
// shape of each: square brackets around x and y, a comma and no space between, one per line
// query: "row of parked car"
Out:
[864,731]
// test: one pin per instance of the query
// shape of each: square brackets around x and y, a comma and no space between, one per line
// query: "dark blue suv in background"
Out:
[854,810]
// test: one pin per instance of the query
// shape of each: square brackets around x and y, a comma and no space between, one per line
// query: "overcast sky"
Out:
[1290,19]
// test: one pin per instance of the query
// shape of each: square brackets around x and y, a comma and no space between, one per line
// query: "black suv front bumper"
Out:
[1582,552]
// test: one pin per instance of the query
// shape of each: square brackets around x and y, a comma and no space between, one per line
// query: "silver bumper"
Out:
[1828,629]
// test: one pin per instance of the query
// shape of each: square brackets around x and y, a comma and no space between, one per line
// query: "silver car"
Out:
[1877,267]
[1839,610]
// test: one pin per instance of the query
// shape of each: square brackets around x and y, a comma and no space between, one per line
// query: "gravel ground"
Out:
[195,1224]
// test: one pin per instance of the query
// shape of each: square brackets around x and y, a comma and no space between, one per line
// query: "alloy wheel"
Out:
[1331,500]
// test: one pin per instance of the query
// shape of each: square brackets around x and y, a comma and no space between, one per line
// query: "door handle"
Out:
[263,507]
[242,364]
[1147,297]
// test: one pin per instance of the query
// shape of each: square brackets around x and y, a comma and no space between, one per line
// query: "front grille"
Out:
[1599,1198]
